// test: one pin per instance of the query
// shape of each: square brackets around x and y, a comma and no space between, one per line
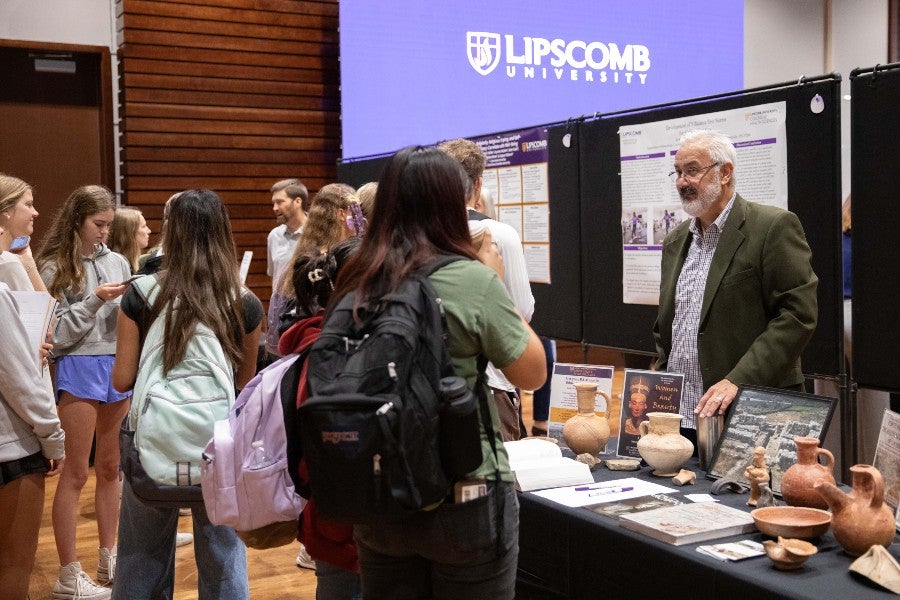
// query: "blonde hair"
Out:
[62,246]
[323,229]
[366,195]
[123,235]
[11,191]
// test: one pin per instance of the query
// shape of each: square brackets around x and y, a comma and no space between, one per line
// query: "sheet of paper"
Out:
[578,496]
[36,310]
[700,498]
[245,265]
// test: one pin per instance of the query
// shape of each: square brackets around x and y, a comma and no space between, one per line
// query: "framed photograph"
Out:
[770,418]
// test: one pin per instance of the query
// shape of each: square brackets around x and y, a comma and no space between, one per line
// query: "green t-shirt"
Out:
[480,319]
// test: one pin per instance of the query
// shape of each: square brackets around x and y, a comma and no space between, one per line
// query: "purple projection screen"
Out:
[418,72]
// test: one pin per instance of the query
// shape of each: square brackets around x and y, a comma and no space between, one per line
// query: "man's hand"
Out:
[489,254]
[717,399]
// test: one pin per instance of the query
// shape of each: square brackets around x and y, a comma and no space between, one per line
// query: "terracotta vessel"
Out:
[797,482]
[586,431]
[789,554]
[860,518]
[662,446]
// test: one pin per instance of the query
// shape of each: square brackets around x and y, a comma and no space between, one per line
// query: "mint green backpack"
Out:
[172,414]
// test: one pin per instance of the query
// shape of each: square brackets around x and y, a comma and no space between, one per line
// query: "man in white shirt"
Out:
[515,278]
[290,203]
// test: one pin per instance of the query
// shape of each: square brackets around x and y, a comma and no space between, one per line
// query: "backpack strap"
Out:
[487,423]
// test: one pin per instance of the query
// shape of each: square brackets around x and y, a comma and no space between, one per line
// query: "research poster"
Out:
[516,175]
[651,207]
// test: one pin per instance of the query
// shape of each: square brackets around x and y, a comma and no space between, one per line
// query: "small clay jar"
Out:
[860,518]
[797,482]
[662,446]
[586,431]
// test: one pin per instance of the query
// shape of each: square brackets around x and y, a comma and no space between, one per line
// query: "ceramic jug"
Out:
[860,518]
[586,431]
[662,446]
[797,482]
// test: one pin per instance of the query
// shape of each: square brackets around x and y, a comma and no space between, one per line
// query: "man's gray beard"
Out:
[704,200]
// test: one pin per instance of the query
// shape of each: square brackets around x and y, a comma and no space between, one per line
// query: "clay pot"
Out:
[797,482]
[662,446]
[860,518]
[586,431]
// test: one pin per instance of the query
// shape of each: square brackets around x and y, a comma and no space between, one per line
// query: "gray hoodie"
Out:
[86,325]
[28,421]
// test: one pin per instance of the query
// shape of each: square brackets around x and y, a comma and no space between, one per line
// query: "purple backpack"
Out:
[246,483]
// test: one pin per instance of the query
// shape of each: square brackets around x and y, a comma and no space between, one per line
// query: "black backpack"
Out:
[371,427]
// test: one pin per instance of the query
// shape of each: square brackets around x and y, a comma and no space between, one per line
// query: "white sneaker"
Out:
[106,566]
[183,539]
[304,560]
[75,584]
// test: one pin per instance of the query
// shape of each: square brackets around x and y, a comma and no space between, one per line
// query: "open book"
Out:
[539,464]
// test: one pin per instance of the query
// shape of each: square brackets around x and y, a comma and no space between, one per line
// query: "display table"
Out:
[576,553]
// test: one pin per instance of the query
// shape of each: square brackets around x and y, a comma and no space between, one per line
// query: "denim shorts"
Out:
[88,377]
[21,467]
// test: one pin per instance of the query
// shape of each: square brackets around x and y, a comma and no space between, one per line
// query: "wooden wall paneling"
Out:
[232,95]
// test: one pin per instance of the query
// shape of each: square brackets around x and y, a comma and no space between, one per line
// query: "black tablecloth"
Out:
[576,553]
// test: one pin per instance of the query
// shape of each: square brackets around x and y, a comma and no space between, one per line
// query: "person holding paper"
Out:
[87,280]
[737,297]
[32,447]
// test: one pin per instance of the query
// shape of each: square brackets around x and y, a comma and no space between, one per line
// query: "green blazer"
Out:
[759,306]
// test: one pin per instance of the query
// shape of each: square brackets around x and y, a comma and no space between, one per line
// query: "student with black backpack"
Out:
[467,545]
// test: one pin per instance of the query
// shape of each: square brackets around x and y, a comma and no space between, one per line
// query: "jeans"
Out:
[448,553]
[335,583]
[145,565]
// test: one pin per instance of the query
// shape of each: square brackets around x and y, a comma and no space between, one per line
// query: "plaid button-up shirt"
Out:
[689,291]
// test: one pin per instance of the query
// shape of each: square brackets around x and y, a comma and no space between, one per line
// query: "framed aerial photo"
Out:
[770,418]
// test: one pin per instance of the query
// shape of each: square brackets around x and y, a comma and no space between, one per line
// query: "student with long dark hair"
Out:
[469,549]
[199,278]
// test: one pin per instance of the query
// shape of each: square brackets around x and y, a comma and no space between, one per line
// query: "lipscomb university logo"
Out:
[483,49]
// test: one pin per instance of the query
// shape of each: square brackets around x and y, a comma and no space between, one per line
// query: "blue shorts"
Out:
[88,377]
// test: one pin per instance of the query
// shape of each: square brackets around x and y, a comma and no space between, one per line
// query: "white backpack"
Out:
[172,414]
[246,481]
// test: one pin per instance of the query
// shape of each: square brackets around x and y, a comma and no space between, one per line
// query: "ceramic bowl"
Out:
[792,521]
[788,554]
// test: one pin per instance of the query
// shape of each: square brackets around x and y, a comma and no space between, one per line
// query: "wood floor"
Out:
[273,573]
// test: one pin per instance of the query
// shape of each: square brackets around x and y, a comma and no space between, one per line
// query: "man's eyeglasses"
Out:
[691,173]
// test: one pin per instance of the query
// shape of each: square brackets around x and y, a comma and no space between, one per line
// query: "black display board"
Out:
[558,311]
[814,189]
[875,156]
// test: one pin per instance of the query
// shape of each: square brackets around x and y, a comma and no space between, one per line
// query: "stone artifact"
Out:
[788,554]
[588,459]
[724,484]
[586,431]
[860,518]
[662,446]
[623,464]
[685,477]
[878,565]
[757,473]
[766,496]
[797,482]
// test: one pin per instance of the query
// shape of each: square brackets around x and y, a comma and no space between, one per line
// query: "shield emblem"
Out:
[483,49]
